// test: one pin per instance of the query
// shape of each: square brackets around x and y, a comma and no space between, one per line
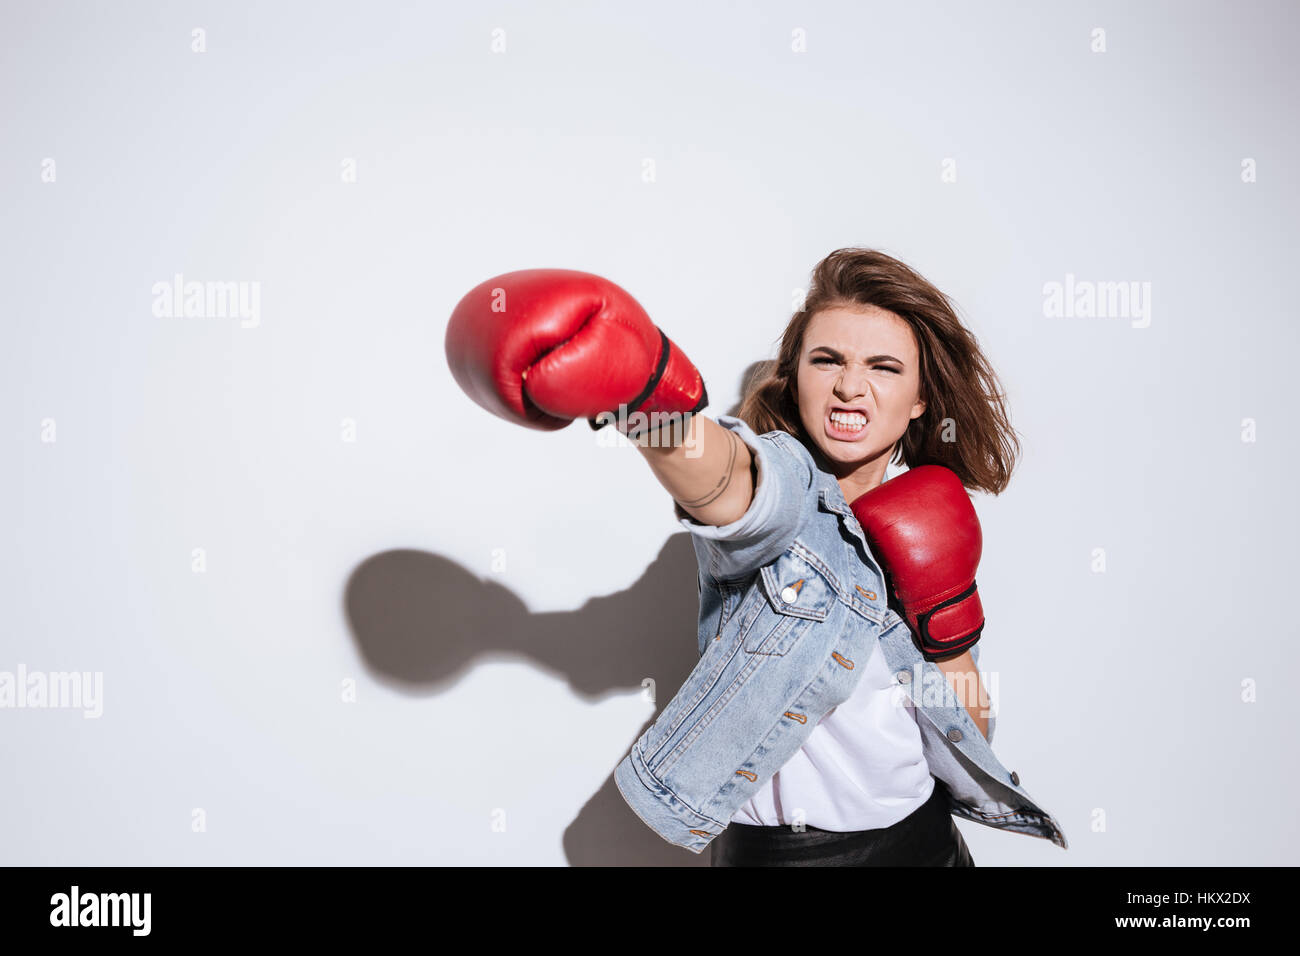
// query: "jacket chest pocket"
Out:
[791,595]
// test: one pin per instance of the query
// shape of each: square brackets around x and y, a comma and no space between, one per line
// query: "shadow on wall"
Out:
[422,621]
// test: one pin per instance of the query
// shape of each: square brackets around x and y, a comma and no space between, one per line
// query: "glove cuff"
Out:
[950,627]
[676,397]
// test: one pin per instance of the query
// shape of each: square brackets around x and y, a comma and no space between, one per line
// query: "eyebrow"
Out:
[840,355]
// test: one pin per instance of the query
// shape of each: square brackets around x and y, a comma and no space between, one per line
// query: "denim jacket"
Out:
[792,603]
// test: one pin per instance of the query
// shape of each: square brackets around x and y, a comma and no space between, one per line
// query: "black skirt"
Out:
[927,837]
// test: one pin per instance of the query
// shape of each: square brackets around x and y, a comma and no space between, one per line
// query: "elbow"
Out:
[720,512]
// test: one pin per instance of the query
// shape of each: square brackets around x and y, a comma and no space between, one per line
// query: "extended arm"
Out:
[711,475]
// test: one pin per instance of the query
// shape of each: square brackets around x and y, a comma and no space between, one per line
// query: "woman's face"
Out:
[859,364]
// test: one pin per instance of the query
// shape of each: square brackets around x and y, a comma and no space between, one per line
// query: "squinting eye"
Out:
[826,358]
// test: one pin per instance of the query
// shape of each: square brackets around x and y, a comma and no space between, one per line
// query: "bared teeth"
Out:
[849,419]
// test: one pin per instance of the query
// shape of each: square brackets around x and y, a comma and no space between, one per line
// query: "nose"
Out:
[851,384]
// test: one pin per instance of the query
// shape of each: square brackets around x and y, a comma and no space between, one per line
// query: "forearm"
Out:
[711,474]
[965,681]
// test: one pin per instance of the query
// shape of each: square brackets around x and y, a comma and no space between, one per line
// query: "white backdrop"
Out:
[336,613]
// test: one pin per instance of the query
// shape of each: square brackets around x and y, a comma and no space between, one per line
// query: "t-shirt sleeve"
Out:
[775,513]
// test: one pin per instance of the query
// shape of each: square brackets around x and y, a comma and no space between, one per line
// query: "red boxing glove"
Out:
[542,347]
[922,527]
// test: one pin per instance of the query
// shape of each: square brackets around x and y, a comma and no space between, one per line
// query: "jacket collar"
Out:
[830,497]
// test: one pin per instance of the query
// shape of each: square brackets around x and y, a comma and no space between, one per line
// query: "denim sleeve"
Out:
[762,533]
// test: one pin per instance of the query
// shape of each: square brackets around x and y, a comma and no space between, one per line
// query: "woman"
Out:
[809,732]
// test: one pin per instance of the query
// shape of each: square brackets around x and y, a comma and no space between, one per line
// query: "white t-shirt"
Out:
[861,768]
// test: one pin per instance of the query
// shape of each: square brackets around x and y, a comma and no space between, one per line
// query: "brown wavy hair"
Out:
[965,425]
